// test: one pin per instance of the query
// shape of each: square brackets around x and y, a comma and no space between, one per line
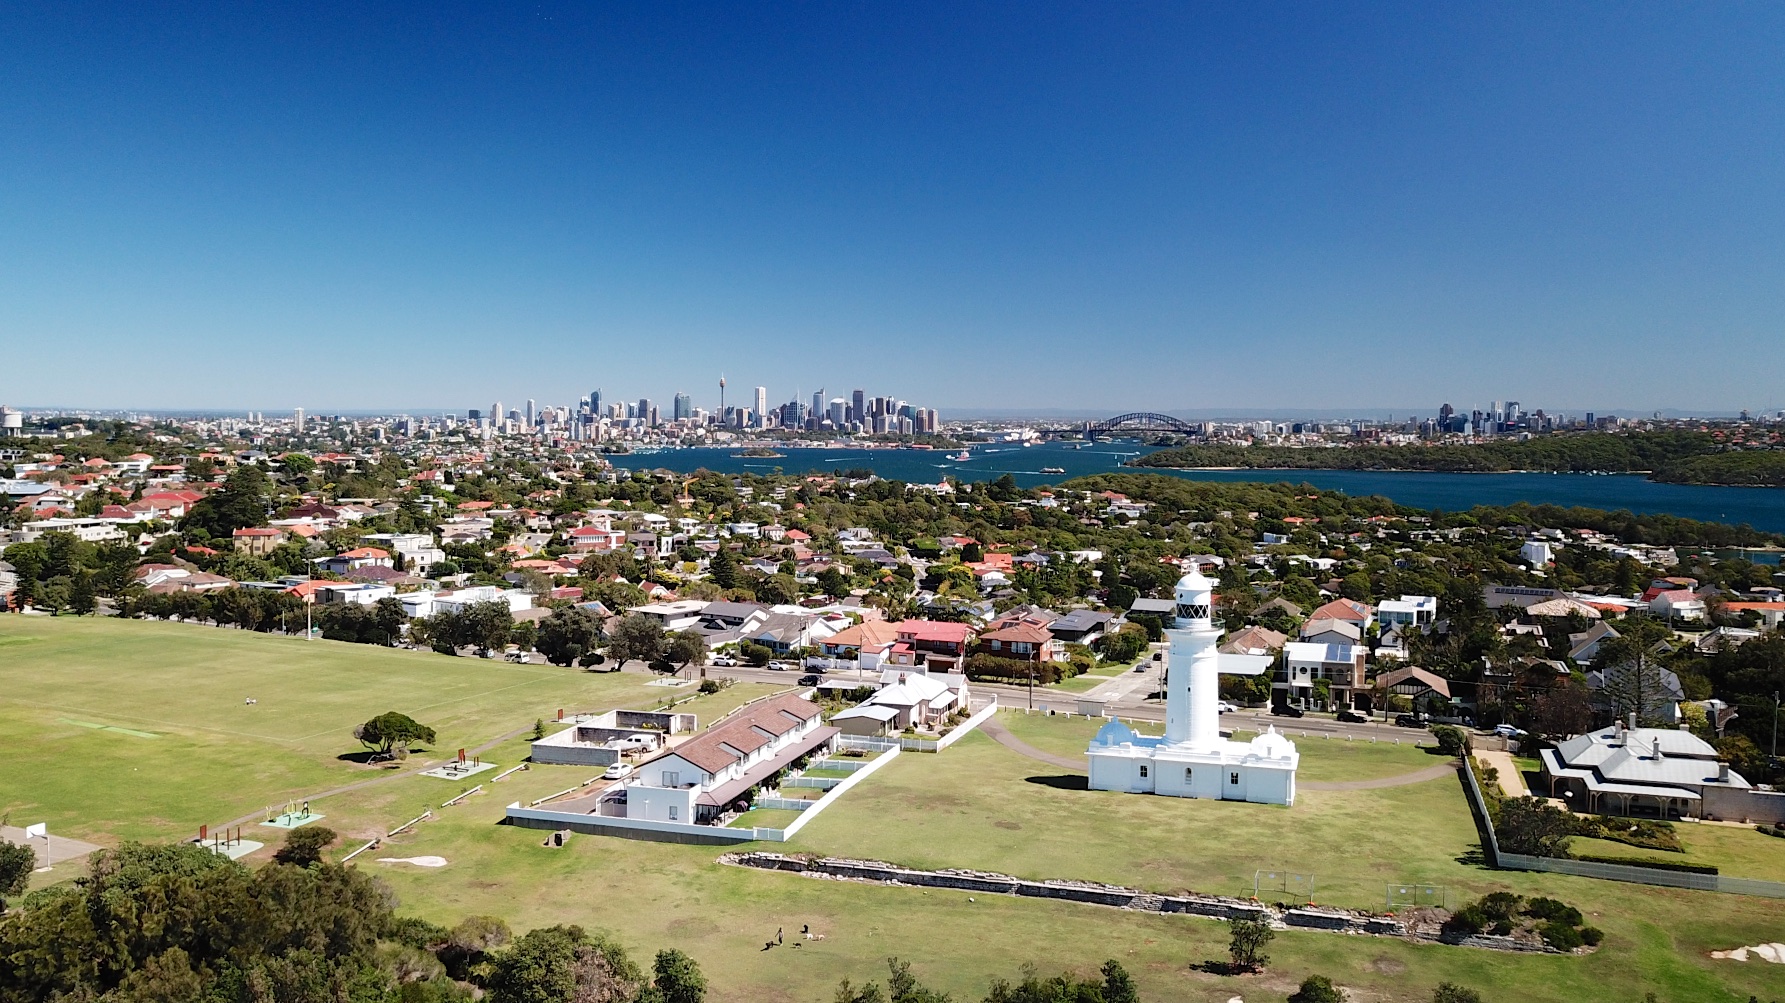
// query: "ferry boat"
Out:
[1053,470]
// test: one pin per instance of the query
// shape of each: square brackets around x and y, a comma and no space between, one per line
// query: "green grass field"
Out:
[80,695]
[1657,941]
[977,805]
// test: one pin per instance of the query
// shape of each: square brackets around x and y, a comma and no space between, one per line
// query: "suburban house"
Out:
[1497,596]
[1254,641]
[678,615]
[1348,610]
[784,632]
[700,778]
[1023,641]
[1323,630]
[1408,611]
[1426,690]
[1677,604]
[1653,772]
[257,541]
[908,700]
[1340,666]
[1615,687]
[455,601]
[930,645]
[1080,626]
[867,643]
[1582,647]
[353,560]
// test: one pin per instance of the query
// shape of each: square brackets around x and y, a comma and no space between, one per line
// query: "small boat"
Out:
[1053,470]
[963,456]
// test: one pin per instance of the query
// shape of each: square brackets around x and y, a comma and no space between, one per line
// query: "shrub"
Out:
[304,846]
[1450,992]
[1552,910]
[1246,942]
[1468,920]
[1451,741]
[1561,936]
[1591,935]
[1318,989]
[1655,863]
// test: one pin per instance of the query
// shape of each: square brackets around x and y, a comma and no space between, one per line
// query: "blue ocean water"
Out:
[1762,508]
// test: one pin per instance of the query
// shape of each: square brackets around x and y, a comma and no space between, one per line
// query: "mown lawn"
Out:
[1741,852]
[1657,938]
[214,757]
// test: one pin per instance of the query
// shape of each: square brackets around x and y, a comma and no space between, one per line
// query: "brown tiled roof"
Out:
[709,750]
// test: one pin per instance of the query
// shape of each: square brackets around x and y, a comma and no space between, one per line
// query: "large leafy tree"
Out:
[386,731]
[634,637]
[240,503]
[568,634]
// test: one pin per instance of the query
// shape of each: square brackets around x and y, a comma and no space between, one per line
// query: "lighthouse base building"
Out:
[1191,759]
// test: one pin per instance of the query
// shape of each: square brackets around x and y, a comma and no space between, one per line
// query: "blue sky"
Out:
[1024,205]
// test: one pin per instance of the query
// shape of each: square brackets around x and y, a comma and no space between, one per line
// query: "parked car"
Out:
[1508,731]
[1225,708]
[810,679]
[1284,710]
[777,666]
[618,771]
[1352,717]
[723,660]
[1408,721]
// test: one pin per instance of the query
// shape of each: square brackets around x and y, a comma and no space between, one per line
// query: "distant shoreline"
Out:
[1647,475]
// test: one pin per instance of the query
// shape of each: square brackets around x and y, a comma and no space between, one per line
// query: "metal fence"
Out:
[1497,858]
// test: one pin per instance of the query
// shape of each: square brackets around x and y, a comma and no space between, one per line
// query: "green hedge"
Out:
[1651,862]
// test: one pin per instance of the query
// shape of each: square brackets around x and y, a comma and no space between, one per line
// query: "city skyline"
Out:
[1149,208]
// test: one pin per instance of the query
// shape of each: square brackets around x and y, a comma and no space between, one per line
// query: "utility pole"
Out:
[1775,728]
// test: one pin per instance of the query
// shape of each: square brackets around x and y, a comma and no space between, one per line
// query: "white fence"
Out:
[808,814]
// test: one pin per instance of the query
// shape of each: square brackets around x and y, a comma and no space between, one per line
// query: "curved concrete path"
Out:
[998,734]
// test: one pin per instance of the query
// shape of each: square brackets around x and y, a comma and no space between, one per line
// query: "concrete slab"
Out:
[234,851]
[291,820]
[457,771]
[59,848]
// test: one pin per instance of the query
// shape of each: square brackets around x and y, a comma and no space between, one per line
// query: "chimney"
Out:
[1723,773]
[1658,756]
[1632,720]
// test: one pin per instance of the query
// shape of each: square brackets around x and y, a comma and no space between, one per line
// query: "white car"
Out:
[777,666]
[618,771]
[723,660]
[1225,708]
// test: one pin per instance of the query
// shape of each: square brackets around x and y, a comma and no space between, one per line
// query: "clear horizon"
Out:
[995,208]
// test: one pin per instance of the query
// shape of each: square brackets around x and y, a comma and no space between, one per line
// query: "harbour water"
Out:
[1762,508]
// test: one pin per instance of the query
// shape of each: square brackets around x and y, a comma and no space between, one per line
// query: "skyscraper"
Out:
[496,412]
[761,409]
[595,402]
[684,407]
[818,403]
[297,418]
[532,413]
[859,404]
[644,410]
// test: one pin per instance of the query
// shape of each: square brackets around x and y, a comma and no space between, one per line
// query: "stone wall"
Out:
[1744,805]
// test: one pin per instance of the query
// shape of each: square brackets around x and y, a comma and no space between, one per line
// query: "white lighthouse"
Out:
[1192,759]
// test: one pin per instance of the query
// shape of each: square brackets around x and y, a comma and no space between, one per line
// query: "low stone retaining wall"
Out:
[1116,896]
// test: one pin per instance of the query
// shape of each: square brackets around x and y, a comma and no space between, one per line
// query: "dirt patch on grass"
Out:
[1007,824]
[1387,965]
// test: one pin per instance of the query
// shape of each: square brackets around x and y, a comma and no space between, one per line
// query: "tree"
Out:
[390,729]
[677,979]
[1561,711]
[756,654]
[305,845]
[1245,943]
[563,964]
[1450,992]
[686,647]
[16,865]
[81,598]
[723,568]
[1318,989]
[634,637]
[1118,987]
[568,634]
[240,503]
[487,625]
[1634,679]
[1532,826]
